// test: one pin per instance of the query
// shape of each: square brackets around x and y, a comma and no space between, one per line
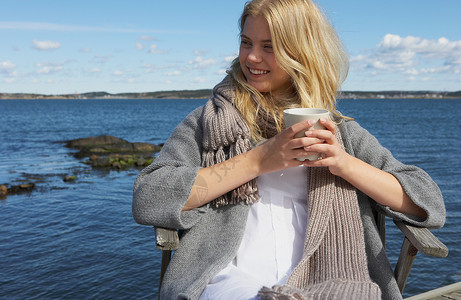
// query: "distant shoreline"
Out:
[206,93]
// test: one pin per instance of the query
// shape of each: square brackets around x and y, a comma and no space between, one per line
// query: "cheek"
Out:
[242,59]
[282,75]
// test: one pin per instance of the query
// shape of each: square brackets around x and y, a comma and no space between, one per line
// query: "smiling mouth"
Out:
[257,72]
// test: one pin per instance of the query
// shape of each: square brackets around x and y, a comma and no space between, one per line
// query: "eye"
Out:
[268,47]
[245,43]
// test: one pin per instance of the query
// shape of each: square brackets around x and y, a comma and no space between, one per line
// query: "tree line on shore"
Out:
[206,93]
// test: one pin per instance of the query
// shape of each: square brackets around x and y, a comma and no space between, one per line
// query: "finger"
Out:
[302,153]
[327,149]
[304,142]
[329,125]
[294,129]
[325,135]
[323,162]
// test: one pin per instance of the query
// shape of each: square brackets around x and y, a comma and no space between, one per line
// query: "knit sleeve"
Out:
[161,190]
[418,185]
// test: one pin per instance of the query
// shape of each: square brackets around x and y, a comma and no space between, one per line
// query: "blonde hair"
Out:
[307,47]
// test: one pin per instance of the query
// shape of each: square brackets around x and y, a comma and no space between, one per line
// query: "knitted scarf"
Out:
[334,263]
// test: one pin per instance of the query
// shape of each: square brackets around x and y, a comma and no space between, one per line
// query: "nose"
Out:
[255,55]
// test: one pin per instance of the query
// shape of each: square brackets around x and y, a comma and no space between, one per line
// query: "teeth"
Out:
[258,72]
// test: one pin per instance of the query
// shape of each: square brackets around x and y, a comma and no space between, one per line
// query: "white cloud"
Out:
[10,80]
[412,72]
[85,50]
[46,45]
[411,56]
[150,68]
[92,70]
[49,68]
[100,59]
[228,59]
[199,80]
[153,49]
[147,38]
[201,63]
[7,67]
[200,52]
[139,46]
[225,64]
[123,72]
[173,73]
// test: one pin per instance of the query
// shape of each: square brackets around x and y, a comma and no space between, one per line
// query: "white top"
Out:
[273,241]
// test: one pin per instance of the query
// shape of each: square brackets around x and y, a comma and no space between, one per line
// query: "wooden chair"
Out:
[416,239]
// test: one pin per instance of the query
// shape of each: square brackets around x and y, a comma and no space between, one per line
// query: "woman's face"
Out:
[257,59]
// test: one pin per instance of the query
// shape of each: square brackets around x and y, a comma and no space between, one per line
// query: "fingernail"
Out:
[322,120]
[308,133]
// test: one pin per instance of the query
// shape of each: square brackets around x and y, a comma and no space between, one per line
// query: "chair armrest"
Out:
[166,239]
[423,240]
[416,239]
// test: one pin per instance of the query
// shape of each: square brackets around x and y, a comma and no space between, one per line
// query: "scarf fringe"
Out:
[333,289]
[225,130]
[247,192]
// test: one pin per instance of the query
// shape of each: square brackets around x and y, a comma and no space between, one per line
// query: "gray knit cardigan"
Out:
[211,236]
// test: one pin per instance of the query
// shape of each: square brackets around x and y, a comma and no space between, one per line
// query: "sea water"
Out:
[78,240]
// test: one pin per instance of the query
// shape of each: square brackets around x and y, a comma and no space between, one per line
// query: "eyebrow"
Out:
[263,41]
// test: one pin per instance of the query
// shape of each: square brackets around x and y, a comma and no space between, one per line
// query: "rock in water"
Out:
[108,151]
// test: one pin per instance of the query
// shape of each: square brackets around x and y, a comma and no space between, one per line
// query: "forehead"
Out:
[256,28]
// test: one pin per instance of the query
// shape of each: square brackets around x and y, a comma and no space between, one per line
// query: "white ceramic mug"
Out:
[296,115]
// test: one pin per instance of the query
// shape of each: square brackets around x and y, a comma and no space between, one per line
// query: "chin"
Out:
[261,88]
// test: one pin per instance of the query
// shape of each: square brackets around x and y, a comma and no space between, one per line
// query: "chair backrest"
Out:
[380,220]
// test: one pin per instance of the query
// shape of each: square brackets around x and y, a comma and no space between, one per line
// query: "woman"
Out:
[255,221]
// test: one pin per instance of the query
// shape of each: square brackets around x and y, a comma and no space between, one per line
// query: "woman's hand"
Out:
[332,154]
[280,152]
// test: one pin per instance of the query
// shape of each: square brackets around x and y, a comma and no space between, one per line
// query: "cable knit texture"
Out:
[334,264]
[225,129]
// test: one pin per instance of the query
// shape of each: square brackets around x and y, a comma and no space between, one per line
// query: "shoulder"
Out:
[195,115]
[352,129]
[185,139]
[190,123]
[360,143]
[355,136]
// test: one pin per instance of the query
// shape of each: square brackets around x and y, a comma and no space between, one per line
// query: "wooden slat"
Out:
[166,257]
[423,240]
[381,224]
[166,239]
[404,263]
[450,291]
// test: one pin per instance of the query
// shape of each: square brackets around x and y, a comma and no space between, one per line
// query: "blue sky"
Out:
[56,47]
